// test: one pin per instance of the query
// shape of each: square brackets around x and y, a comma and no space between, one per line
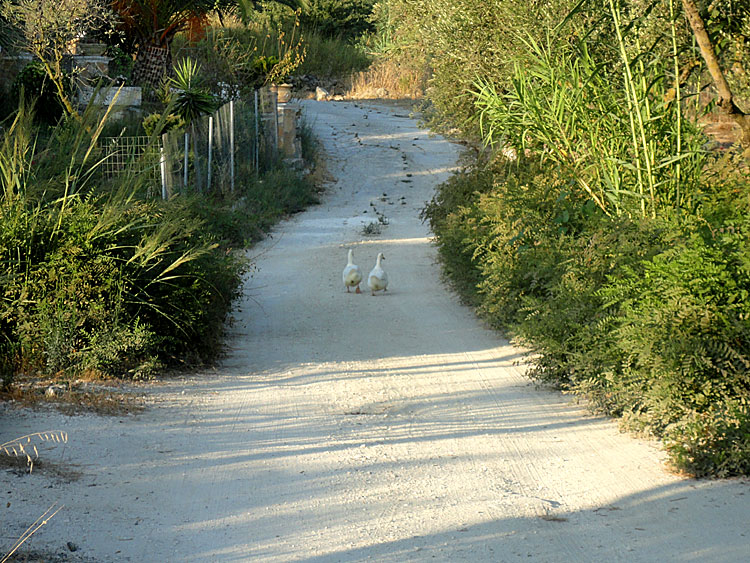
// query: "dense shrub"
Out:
[713,443]
[682,325]
[120,63]
[344,19]
[453,214]
[36,86]
[646,318]
[95,276]
[610,243]
[111,284]
[7,102]
[164,123]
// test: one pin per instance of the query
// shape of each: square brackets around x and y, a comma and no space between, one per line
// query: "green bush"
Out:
[36,86]
[8,103]
[715,443]
[649,319]
[681,323]
[112,284]
[96,276]
[454,218]
[165,123]
[343,19]
[120,63]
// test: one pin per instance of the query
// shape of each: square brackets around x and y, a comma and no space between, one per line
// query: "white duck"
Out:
[378,279]
[352,274]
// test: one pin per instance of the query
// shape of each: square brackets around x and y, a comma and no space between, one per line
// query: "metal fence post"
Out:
[231,144]
[185,171]
[163,167]
[256,149]
[210,147]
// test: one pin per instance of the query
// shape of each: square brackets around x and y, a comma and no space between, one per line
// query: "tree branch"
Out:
[726,99]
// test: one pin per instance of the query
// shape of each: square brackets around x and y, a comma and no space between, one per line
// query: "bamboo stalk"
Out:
[677,100]
[635,108]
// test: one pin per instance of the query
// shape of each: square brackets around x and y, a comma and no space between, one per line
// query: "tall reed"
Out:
[610,118]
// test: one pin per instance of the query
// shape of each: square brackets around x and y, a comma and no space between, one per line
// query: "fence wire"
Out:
[138,154]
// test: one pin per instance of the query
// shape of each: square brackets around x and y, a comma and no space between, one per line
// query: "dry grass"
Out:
[36,556]
[22,453]
[74,397]
[387,79]
[21,457]
[19,466]
[371,229]
[319,175]
[14,554]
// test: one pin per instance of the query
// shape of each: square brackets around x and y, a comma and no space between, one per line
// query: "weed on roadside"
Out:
[74,397]
[372,229]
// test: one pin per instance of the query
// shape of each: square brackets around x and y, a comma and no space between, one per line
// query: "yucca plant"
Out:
[192,99]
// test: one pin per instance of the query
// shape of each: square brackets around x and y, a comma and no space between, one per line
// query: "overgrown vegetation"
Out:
[33,84]
[270,49]
[47,29]
[599,228]
[99,278]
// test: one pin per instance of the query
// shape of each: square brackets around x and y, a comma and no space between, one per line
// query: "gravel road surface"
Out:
[347,427]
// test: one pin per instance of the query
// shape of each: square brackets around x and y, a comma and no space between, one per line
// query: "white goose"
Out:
[377,279]
[352,274]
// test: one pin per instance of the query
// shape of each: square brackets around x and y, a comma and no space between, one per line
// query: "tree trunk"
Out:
[726,99]
[152,63]
[55,75]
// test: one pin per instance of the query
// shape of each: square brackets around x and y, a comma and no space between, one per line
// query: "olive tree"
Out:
[49,29]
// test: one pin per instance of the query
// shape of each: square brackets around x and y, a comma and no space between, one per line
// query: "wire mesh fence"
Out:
[138,154]
[213,153]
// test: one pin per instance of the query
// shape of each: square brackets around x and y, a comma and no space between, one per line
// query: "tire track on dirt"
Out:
[345,427]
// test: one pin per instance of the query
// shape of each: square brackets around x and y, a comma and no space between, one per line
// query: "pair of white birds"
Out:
[376,281]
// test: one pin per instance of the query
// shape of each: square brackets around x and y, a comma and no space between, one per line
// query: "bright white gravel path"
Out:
[345,427]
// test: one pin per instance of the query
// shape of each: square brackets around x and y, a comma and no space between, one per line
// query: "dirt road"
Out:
[346,427]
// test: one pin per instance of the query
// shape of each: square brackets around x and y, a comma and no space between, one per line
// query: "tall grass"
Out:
[94,275]
[396,77]
[332,56]
[612,120]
